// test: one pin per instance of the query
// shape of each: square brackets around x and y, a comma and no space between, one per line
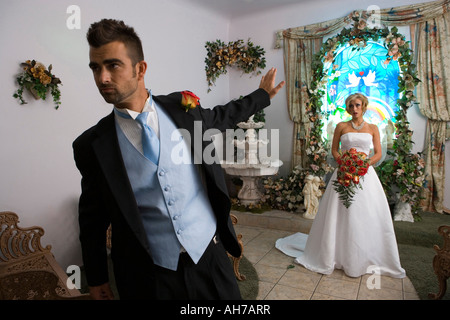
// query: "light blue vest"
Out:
[173,203]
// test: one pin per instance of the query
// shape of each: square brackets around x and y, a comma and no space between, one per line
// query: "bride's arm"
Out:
[336,139]
[376,145]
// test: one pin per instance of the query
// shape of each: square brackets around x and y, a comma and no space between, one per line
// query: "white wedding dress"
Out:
[359,239]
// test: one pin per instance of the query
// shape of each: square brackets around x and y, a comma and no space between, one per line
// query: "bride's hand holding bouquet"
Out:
[352,166]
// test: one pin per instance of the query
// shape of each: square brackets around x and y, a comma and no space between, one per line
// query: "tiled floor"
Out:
[281,279]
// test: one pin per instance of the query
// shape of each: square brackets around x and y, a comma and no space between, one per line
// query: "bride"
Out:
[359,239]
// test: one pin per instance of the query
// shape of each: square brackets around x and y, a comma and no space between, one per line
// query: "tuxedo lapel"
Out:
[107,150]
[181,118]
[189,121]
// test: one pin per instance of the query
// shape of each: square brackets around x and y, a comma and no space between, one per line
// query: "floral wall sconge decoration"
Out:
[38,80]
[245,56]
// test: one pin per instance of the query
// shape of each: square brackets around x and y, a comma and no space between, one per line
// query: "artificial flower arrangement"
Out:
[352,167]
[285,193]
[38,80]
[189,100]
[245,56]
[407,170]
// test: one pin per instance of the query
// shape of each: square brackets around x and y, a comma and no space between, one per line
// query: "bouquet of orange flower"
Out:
[353,165]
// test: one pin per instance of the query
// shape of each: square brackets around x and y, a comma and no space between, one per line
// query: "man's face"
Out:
[114,73]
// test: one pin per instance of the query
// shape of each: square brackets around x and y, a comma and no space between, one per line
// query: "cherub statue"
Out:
[312,193]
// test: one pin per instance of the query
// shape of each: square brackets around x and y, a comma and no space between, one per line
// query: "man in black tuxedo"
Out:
[109,193]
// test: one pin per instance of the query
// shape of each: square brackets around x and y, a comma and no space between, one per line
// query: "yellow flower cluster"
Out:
[38,72]
[38,80]
[245,56]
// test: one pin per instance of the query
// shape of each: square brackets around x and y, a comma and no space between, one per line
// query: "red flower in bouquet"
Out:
[353,165]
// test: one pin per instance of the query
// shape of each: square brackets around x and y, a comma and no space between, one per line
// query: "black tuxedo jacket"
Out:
[107,197]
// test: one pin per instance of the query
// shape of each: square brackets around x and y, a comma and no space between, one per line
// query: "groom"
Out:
[170,222]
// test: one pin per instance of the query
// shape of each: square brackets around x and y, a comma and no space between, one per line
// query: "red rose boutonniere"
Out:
[353,165]
[189,100]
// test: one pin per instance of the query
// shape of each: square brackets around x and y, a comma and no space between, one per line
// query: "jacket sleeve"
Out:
[93,219]
[227,116]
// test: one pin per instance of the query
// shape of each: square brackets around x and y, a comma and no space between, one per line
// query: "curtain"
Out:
[299,55]
[398,16]
[300,46]
[297,75]
[432,51]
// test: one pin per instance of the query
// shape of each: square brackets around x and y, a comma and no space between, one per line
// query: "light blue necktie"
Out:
[150,141]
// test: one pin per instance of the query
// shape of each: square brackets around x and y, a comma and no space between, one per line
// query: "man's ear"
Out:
[141,69]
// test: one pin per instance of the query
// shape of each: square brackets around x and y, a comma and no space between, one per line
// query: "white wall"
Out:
[38,177]
[261,28]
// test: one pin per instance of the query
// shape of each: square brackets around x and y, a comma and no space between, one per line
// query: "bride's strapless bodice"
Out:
[361,141]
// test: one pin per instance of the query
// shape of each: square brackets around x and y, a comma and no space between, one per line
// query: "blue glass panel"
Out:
[367,72]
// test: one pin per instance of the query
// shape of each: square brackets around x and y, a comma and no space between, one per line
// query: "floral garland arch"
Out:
[245,56]
[402,169]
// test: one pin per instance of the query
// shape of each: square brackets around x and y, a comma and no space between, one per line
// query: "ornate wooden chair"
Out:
[29,271]
[441,263]
[237,261]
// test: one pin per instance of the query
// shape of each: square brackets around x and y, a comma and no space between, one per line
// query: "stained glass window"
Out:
[365,71]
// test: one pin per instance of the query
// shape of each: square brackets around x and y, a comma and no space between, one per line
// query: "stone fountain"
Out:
[254,165]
